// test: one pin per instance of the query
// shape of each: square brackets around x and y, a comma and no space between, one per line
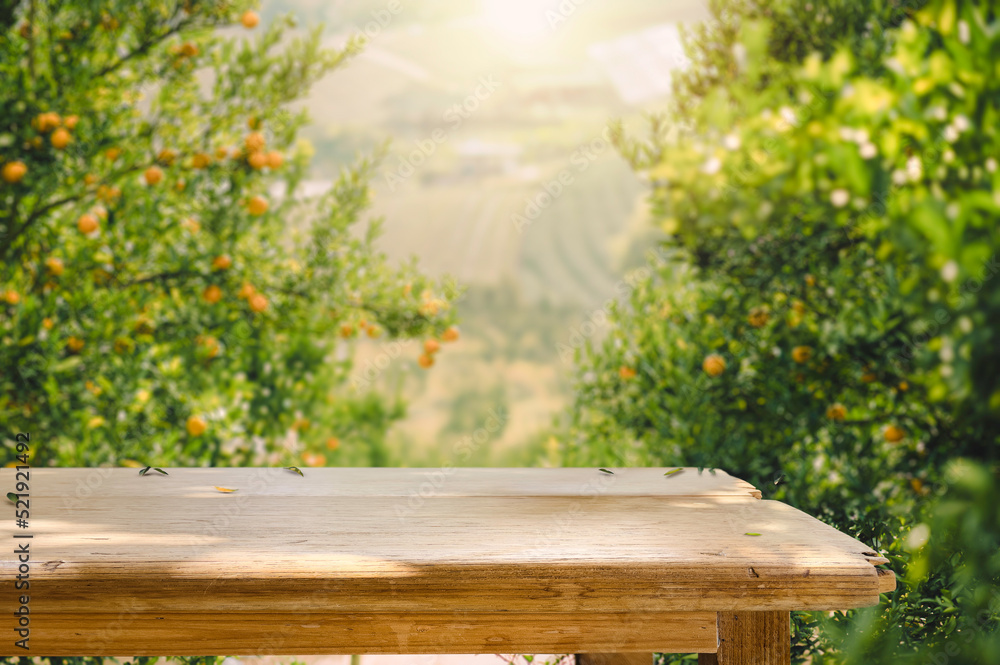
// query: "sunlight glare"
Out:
[517,20]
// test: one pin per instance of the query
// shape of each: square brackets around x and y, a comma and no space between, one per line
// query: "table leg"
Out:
[752,638]
[614,659]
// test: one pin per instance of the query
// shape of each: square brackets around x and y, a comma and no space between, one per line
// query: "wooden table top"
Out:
[418,540]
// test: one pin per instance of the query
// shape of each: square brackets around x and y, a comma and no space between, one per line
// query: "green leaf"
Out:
[142,472]
[751,533]
[12,497]
[674,472]
[606,471]
[295,469]
[156,468]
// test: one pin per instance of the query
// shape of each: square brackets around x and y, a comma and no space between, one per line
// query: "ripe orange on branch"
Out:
[893,434]
[450,334]
[425,361]
[250,19]
[802,354]
[258,302]
[14,171]
[196,426]
[714,364]
[212,294]
[257,205]
[153,175]
[87,223]
[60,138]
[431,346]
[221,262]
[55,265]
[836,411]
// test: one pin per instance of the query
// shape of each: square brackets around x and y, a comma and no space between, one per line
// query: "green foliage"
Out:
[200,321]
[829,318]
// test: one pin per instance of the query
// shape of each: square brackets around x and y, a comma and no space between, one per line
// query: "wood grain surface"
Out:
[575,543]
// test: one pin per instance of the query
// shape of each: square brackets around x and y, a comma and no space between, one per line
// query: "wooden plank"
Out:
[73,484]
[142,543]
[614,659]
[754,638]
[330,633]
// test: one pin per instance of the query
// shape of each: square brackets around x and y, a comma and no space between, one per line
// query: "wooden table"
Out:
[412,561]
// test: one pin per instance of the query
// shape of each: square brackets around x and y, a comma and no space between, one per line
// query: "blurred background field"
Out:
[529,288]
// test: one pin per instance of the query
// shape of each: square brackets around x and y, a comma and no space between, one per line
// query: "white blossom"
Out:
[961,123]
[914,169]
[711,166]
[868,150]
[731,142]
[963,32]
[950,133]
[839,197]
[991,164]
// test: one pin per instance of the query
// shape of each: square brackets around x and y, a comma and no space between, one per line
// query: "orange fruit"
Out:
[714,364]
[257,205]
[69,122]
[87,223]
[89,179]
[250,19]
[221,152]
[46,122]
[180,185]
[74,344]
[191,224]
[55,265]
[626,373]
[254,141]
[450,334]
[346,330]
[211,345]
[373,331]
[425,361]
[196,426]
[113,153]
[758,317]
[247,290]
[212,294]
[431,346]
[200,160]
[108,194]
[868,377]
[917,485]
[188,50]
[799,307]
[836,411]
[904,386]
[12,297]
[166,156]
[257,160]
[810,280]
[333,443]
[274,160]
[893,434]
[258,303]
[60,138]
[153,175]
[14,171]
[221,262]
[314,459]
[48,323]
[802,354]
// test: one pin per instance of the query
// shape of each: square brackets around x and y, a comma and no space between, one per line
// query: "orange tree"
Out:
[827,177]
[168,295]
